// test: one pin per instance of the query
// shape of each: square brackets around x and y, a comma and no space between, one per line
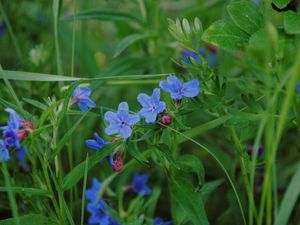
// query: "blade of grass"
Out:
[29,76]
[11,195]
[84,187]
[61,198]
[11,90]
[56,6]
[289,199]
[22,190]
[65,138]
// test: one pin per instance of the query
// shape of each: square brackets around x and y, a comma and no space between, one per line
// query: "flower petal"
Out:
[125,131]
[143,99]
[156,95]
[112,129]
[110,116]
[165,86]
[133,119]
[191,88]
[151,117]
[123,106]
[92,144]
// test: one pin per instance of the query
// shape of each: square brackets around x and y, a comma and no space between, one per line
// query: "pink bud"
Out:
[27,125]
[166,119]
[118,164]
[127,188]
[22,134]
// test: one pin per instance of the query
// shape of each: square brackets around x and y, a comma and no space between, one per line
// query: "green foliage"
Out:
[226,36]
[184,195]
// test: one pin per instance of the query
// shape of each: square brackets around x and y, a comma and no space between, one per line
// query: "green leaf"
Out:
[105,15]
[281,3]
[31,219]
[190,163]
[136,153]
[292,22]
[226,36]
[78,172]
[209,187]
[289,199]
[129,40]
[245,15]
[183,192]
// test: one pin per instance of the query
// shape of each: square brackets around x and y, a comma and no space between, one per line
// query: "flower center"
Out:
[152,107]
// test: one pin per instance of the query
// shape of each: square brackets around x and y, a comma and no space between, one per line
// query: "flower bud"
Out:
[118,164]
[166,119]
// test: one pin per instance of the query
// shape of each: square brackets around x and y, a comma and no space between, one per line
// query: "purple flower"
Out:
[81,97]
[97,144]
[91,194]
[4,153]
[178,90]
[14,122]
[99,214]
[121,121]
[151,105]
[159,221]
[139,184]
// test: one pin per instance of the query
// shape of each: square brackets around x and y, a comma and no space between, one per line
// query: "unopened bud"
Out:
[166,119]
[118,164]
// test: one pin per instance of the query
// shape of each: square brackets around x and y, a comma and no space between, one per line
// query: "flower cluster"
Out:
[122,121]
[14,132]
[97,206]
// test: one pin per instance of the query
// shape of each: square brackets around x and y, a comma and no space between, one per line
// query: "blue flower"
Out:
[187,54]
[97,144]
[121,121]
[4,154]
[99,214]
[81,97]
[10,132]
[178,90]
[151,105]
[113,221]
[139,184]
[2,28]
[91,194]
[10,137]
[14,121]
[159,221]
[298,87]
[21,153]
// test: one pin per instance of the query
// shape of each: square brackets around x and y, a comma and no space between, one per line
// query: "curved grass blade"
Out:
[105,15]
[219,163]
